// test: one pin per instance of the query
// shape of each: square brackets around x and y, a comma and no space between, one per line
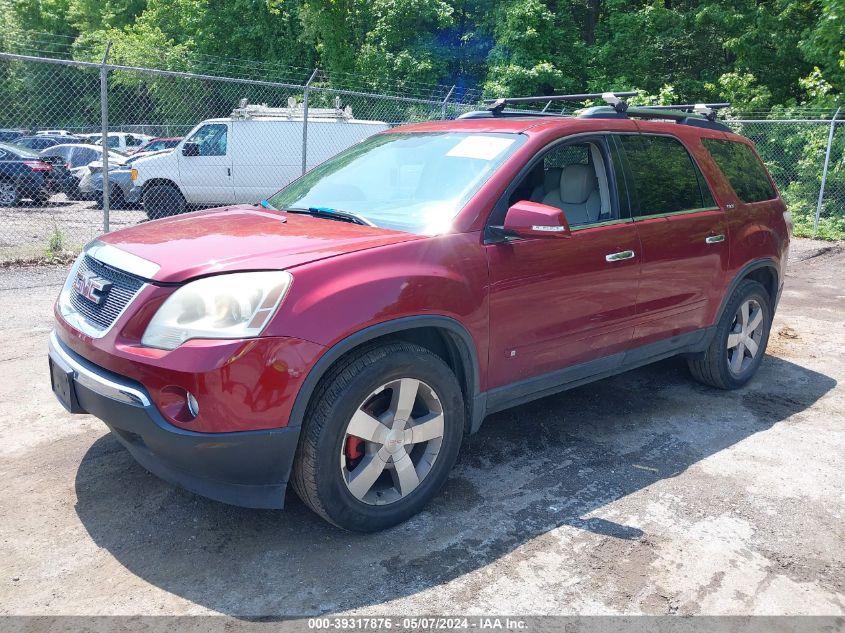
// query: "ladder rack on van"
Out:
[293,111]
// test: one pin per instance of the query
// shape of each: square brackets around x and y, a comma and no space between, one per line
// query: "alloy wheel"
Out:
[8,194]
[392,441]
[744,336]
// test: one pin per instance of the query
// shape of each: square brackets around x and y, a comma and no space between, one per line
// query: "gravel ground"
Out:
[26,230]
[643,493]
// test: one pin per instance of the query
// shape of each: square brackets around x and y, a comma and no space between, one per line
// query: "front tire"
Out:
[739,344]
[161,201]
[380,437]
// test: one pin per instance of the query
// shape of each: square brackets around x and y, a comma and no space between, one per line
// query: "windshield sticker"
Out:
[480,147]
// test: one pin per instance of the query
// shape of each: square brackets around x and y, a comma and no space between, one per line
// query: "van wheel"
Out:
[161,201]
[739,344]
[380,437]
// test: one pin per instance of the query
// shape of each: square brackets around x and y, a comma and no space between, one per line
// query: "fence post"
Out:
[104,123]
[445,102]
[305,92]
[824,171]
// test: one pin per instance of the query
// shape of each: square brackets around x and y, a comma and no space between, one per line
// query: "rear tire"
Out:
[161,201]
[403,464]
[739,344]
[9,194]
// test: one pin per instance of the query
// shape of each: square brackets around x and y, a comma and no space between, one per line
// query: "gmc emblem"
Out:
[90,286]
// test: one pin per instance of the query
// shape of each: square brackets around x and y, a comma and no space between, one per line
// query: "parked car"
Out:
[37,143]
[90,138]
[53,133]
[156,145]
[24,175]
[346,334]
[244,158]
[123,141]
[77,157]
[121,192]
[8,135]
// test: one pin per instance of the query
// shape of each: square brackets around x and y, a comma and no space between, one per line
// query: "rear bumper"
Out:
[244,468]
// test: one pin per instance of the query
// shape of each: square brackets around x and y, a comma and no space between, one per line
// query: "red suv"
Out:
[347,333]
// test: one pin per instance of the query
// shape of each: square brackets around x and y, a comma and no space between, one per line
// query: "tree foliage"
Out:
[755,53]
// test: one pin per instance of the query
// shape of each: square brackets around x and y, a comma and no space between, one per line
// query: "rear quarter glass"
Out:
[743,170]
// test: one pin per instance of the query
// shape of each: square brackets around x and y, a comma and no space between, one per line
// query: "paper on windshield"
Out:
[480,147]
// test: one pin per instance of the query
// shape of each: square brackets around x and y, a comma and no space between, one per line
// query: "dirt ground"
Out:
[643,493]
[26,230]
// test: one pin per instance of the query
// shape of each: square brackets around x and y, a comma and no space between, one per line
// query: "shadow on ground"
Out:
[528,471]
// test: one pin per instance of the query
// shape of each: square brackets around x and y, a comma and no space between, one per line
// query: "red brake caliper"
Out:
[354,447]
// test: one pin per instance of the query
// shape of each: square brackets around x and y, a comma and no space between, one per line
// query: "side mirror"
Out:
[190,149]
[532,219]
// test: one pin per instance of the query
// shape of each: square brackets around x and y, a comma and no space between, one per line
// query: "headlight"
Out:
[235,305]
[133,174]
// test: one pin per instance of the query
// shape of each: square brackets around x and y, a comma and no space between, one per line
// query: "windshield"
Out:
[414,182]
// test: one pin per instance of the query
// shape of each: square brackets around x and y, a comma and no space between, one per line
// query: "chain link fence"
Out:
[796,151]
[231,148]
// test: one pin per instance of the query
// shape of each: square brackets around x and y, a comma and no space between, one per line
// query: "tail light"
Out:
[37,165]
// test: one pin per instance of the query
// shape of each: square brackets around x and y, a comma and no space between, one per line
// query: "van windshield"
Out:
[414,182]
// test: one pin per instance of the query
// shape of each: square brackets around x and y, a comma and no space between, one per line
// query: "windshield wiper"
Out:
[333,214]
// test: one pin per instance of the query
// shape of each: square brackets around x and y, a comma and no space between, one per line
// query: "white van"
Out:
[244,158]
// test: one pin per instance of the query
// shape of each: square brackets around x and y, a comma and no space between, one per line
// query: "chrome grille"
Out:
[123,289]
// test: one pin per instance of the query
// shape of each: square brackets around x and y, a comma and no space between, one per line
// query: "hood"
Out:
[242,238]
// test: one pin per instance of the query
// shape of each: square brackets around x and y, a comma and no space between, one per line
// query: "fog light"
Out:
[193,405]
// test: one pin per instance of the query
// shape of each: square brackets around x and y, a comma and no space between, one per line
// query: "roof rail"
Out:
[614,99]
[707,110]
[659,113]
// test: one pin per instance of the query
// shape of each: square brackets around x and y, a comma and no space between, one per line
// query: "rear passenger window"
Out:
[665,177]
[742,169]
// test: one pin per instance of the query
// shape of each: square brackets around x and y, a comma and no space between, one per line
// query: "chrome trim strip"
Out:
[120,259]
[90,376]
[583,227]
[671,213]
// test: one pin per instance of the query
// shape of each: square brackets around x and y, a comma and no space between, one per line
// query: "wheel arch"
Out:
[763,271]
[443,336]
[155,182]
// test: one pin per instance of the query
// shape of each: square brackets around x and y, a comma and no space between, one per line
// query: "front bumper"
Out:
[243,468]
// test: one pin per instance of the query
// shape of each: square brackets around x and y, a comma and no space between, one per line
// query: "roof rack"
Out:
[707,110]
[664,113]
[614,99]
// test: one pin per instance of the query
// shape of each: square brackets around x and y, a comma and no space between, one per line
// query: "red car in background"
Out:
[346,334]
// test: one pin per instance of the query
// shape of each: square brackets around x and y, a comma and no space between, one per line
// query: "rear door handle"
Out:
[616,257]
[714,239]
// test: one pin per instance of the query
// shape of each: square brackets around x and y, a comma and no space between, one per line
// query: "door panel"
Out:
[683,235]
[559,302]
[207,178]
[682,272]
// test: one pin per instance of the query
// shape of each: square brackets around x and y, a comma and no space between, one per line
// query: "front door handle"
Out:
[616,257]
[714,239]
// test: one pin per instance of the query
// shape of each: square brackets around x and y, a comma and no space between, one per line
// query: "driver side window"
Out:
[211,139]
[573,177]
